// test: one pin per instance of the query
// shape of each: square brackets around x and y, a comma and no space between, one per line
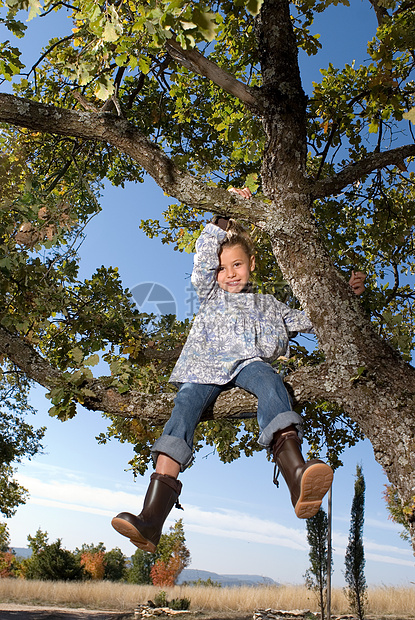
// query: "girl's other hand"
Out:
[245,192]
[357,282]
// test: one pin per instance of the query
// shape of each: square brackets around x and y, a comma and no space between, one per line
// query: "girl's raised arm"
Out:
[206,260]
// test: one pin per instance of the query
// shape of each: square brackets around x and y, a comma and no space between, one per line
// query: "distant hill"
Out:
[22,552]
[193,574]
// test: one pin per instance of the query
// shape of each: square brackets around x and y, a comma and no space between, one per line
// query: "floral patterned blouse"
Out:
[231,330]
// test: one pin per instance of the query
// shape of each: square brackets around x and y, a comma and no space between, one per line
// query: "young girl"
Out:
[234,338]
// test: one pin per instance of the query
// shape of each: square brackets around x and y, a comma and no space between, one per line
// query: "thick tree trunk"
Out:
[382,399]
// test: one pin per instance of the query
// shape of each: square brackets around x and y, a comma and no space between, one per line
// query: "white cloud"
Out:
[72,496]
[50,503]
[384,524]
[370,547]
[385,559]
[371,522]
[237,525]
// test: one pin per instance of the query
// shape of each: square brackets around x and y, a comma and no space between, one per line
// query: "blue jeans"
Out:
[274,411]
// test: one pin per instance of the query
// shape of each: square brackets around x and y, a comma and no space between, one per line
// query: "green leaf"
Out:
[88,392]
[35,8]
[187,25]
[144,64]
[76,355]
[251,182]
[360,371]
[110,33]
[373,127]
[121,60]
[104,90]
[254,6]
[206,21]
[92,360]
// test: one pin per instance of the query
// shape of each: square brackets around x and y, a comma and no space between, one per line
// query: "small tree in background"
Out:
[172,555]
[8,564]
[316,576]
[141,565]
[93,564]
[38,542]
[18,439]
[92,559]
[4,537]
[115,565]
[51,562]
[163,567]
[355,556]
[164,573]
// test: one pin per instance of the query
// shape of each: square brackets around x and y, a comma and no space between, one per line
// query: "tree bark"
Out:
[196,62]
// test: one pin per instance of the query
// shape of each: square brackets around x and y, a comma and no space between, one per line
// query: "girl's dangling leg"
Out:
[167,466]
[144,530]
[281,430]
[172,453]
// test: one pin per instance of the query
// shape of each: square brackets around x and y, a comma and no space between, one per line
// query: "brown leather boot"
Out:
[307,482]
[144,530]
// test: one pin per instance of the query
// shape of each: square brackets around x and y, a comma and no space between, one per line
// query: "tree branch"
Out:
[128,139]
[196,62]
[25,357]
[353,172]
[381,13]
[154,408]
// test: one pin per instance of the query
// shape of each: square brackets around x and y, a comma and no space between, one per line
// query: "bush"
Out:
[160,600]
[179,603]
[205,583]
[53,563]
[9,564]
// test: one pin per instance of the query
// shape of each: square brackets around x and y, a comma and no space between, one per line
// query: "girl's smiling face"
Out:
[235,267]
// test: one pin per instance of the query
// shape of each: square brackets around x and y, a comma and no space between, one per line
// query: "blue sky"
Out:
[235,519]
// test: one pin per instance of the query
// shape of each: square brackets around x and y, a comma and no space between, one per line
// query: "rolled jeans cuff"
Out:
[281,421]
[176,448]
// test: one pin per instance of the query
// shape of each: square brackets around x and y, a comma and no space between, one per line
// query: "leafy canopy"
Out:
[18,438]
[115,53]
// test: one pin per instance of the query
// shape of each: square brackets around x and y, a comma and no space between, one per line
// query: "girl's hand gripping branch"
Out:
[245,192]
[357,282]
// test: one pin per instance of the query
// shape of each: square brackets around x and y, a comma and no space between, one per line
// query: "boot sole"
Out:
[128,530]
[315,483]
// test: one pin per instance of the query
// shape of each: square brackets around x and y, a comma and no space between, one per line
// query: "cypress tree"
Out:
[316,576]
[356,589]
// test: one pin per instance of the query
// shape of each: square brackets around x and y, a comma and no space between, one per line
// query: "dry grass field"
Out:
[382,601]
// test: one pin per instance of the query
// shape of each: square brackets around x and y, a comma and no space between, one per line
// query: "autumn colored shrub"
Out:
[162,574]
[9,565]
[94,564]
